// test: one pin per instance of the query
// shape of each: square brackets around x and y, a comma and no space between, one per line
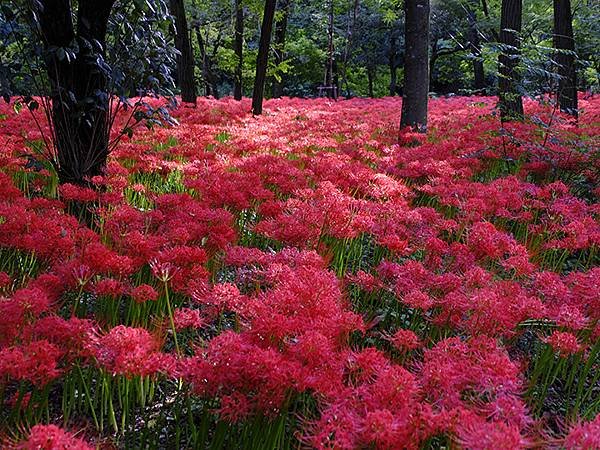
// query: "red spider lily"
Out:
[5,280]
[36,362]
[130,351]
[143,293]
[258,226]
[404,340]
[584,435]
[187,318]
[563,343]
[481,435]
[51,437]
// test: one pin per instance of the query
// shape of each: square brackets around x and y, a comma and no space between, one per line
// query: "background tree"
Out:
[329,82]
[564,58]
[263,57]
[416,65]
[479,82]
[368,47]
[393,60]
[510,98]
[239,50]
[84,63]
[283,10]
[449,46]
[185,58]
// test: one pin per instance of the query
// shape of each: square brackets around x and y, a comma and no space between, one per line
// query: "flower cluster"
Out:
[389,291]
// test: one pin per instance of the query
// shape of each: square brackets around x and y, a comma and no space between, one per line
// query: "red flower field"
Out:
[307,278]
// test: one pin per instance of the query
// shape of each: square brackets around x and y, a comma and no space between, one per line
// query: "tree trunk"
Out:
[185,59]
[210,85]
[330,85]
[370,76]
[433,57]
[392,63]
[263,57]
[279,47]
[238,48]
[80,101]
[475,45]
[486,13]
[416,62]
[566,93]
[511,101]
[349,32]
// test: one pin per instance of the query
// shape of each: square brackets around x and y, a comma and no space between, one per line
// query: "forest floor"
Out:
[307,277]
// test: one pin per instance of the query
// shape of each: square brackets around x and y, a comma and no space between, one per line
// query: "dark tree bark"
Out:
[210,83]
[511,101]
[185,60]
[475,45]
[238,48]
[263,57]
[416,62]
[566,93]
[279,47]
[80,100]
[370,79]
[433,57]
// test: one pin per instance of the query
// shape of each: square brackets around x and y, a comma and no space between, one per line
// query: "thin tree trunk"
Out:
[565,58]
[433,57]
[475,44]
[185,59]
[486,13]
[330,83]
[263,57]
[238,47]
[416,70]
[279,47]
[78,86]
[349,32]
[210,85]
[392,63]
[511,101]
[370,76]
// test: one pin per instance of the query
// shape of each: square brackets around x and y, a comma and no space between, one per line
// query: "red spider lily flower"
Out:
[51,437]
[235,407]
[82,274]
[404,340]
[187,318]
[33,301]
[77,193]
[109,287]
[71,335]
[36,362]
[563,343]
[381,410]
[584,435]
[365,281]
[418,300]
[5,280]
[143,293]
[102,260]
[163,271]
[473,376]
[130,351]
[481,435]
